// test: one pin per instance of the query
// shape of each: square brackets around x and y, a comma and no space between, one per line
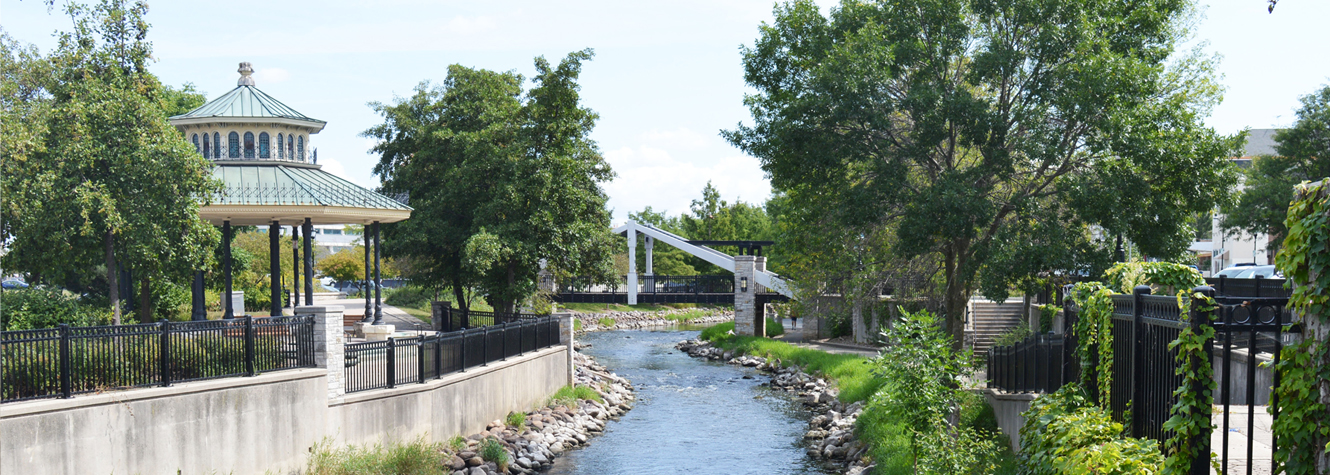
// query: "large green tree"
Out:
[1303,155]
[104,176]
[499,179]
[953,125]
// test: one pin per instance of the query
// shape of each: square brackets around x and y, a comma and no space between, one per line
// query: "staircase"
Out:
[988,319]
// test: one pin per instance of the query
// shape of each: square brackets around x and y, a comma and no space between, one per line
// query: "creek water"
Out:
[691,415]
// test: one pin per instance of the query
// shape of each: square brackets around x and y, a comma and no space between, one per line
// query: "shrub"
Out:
[31,308]
[456,444]
[516,419]
[414,458]
[1063,433]
[774,328]
[492,451]
[568,395]
[1013,335]
[409,296]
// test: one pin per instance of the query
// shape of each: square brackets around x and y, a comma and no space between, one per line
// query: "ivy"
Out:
[1303,425]
[1189,418]
[1166,277]
[1095,326]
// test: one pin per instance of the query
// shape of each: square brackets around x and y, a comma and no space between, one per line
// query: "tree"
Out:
[953,125]
[498,180]
[1303,155]
[111,179]
[347,265]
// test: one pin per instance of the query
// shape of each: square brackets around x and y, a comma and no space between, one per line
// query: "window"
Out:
[281,150]
[263,145]
[249,144]
[207,146]
[331,232]
[300,147]
[232,145]
[291,147]
[195,139]
[216,145]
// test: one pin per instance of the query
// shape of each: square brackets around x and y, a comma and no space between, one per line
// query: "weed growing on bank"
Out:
[417,457]
[516,419]
[569,394]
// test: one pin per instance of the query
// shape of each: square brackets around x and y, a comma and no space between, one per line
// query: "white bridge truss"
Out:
[631,229]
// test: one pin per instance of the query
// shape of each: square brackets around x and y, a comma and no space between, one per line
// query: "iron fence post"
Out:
[249,345]
[1138,310]
[438,355]
[485,347]
[420,360]
[1200,463]
[392,363]
[66,379]
[462,347]
[503,347]
[164,354]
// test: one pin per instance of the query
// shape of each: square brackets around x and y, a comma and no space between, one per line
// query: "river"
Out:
[691,415]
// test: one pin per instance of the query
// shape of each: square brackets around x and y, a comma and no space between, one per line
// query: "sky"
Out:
[666,79]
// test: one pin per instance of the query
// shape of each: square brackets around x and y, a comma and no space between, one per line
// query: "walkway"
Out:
[797,337]
[391,315]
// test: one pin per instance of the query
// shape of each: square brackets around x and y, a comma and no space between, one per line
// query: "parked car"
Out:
[1263,271]
[1232,272]
[14,284]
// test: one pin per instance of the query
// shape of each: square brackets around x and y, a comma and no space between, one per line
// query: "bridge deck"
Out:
[662,297]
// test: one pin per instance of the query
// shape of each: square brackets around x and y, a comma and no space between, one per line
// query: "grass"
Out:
[774,328]
[569,394]
[577,325]
[417,457]
[456,444]
[492,451]
[606,322]
[516,419]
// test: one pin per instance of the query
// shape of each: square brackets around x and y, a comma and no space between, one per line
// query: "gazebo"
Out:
[259,146]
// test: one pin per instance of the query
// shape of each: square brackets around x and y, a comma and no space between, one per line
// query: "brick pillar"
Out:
[566,338]
[329,352]
[745,302]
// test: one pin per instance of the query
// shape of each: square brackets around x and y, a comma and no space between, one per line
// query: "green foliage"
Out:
[1064,433]
[1303,425]
[852,373]
[492,451]
[1166,278]
[347,265]
[774,327]
[716,332]
[417,457]
[408,296]
[456,444]
[606,322]
[1047,313]
[1304,154]
[32,308]
[500,178]
[1189,418]
[1094,328]
[568,395]
[97,164]
[516,419]
[1009,121]
[1013,336]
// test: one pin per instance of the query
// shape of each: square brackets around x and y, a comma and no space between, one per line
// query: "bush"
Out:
[1013,335]
[516,419]
[568,395]
[31,308]
[492,451]
[774,328]
[415,458]
[1063,433]
[409,296]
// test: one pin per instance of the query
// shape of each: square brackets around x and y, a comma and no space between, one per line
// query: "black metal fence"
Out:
[1144,368]
[457,319]
[64,361]
[387,364]
[1254,287]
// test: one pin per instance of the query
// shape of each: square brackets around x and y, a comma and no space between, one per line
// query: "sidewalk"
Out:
[797,337]
[391,315]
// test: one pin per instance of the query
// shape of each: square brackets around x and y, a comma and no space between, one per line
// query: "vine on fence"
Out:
[1095,326]
[1167,277]
[1303,425]
[1189,418]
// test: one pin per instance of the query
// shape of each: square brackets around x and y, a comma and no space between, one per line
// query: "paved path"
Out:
[797,337]
[391,315]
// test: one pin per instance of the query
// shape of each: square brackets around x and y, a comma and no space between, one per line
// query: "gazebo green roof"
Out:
[257,193]
[247,102]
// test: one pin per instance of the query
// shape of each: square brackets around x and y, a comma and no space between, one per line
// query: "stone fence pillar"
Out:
[566,338]
[329,349]
[441,315]
[745,296]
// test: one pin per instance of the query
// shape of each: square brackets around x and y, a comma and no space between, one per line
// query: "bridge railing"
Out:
[652,284]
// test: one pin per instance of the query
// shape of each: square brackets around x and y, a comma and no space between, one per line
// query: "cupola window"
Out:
[232,145]
[263,145]
[207,146]
[249,144]
[291,146]
[300,147]
[281,150]
[195,139]
[216,145]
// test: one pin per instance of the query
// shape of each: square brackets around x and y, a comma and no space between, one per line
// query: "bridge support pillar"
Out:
[632,267]
[747,319]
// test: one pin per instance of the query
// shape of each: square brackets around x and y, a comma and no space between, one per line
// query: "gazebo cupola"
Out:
[261,152]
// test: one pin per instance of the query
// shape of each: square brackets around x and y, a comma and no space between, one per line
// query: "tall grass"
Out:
[417,457]
[569,394]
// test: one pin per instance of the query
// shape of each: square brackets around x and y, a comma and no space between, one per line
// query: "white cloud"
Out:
[682,137]
[652,177]
[271,75]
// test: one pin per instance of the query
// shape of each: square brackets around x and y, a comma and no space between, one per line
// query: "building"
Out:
[1226,249]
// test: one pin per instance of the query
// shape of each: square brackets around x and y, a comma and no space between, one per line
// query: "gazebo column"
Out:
[369,308]
[200,310]
[309,262]
[295,266]
[275,267]
[378,278]
[226,269]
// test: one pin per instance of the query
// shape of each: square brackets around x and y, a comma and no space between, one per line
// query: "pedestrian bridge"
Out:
[750,287]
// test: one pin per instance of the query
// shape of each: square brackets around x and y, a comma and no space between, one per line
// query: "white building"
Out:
[1227,249]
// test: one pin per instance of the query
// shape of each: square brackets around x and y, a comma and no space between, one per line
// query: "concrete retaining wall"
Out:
[265,423]
[1008,409]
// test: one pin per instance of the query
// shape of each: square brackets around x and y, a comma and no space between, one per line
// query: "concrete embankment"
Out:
[551,430]
[831,428]
[636,320]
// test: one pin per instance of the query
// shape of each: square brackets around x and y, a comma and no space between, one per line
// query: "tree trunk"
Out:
[956,299]
[510,305]
[112,278]
[145,300]
[857,327]
[459,294]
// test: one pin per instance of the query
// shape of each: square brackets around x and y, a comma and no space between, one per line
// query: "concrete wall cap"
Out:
[320,308]
[16,409]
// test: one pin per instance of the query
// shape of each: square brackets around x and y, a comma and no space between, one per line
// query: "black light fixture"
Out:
[743,284]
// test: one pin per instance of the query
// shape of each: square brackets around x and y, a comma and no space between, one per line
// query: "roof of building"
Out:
[246,101]
[258,193]
[1260,142]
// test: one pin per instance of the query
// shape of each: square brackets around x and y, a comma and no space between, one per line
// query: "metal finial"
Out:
[245,72]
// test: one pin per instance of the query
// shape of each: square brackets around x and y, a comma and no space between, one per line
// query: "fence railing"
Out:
[1144,367]
[397,361]
[64,361]
[456,319]
[1254,287]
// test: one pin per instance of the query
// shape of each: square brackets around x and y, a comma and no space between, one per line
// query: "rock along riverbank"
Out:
[551,430]
[636,320]
[830,437]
